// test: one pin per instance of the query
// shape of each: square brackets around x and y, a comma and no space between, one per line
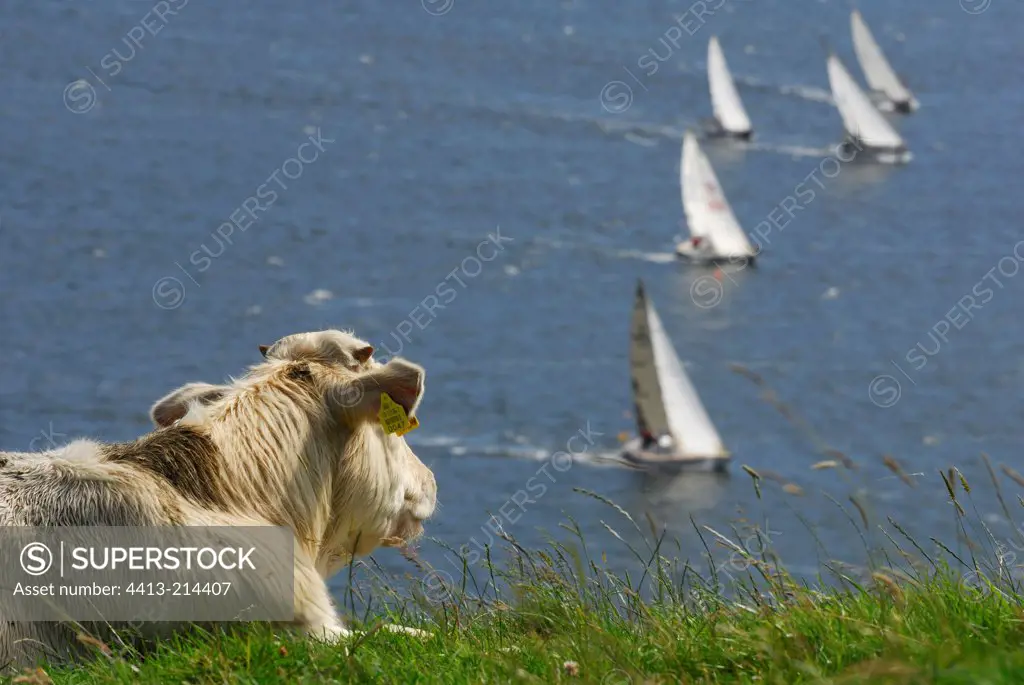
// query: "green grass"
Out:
[558,616]
[934,632]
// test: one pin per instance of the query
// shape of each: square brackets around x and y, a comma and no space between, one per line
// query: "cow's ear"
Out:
[360,396]
[363,354]
[263,349]
[174,405]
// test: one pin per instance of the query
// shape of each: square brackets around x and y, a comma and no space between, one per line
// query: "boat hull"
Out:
[634,453]
[882,155]
[907,106]
[713,129]
[888,105]
[685,252]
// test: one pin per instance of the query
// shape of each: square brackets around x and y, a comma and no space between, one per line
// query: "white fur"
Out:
[294,442]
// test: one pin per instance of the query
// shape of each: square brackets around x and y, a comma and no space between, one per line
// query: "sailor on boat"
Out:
[648,441]
[698,249]
[650,445]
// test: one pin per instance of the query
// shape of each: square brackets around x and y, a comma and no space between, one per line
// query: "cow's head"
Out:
[327,346]
[325,390]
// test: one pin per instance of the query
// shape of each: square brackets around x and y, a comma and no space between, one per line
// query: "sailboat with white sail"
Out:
[715,234]
[891,94]
[674,427]
[730,116]
[867,129]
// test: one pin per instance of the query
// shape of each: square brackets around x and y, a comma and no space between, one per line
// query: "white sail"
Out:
[860,118]
[666,400]
[707,211]
[877,70]
[724,99]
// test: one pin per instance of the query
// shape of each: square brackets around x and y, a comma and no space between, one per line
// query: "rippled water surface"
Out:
[433,132]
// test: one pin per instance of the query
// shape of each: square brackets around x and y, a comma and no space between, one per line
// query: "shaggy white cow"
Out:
[295,442]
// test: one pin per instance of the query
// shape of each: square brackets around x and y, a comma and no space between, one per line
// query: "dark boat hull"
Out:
[857,151]
[713,129]
[712,260]
[636,455]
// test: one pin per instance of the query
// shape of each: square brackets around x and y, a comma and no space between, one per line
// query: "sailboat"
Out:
[716,236]
[891,93]
[866,127]
[673,424]
[730,117]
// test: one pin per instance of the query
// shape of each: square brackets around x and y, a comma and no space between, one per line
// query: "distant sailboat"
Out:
[730,116]
[866,127]
[891,93]
[716,236]
[674,427]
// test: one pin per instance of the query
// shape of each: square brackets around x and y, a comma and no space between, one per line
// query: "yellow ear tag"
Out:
[393,418]
[411,425]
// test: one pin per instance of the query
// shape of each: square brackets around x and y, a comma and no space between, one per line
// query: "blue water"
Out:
[443,129]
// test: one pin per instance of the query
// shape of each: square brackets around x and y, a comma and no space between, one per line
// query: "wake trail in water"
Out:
[604,251]
[652,257]
[809,93]
[640,140]
[630,130]
[633,127]
[646,133]
[791,150]
[519,448]
[649,134]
